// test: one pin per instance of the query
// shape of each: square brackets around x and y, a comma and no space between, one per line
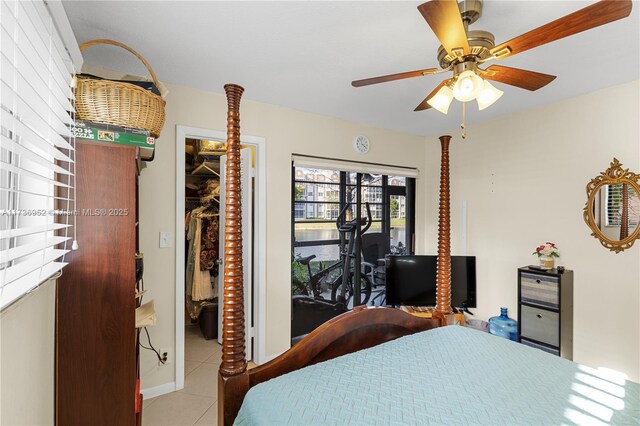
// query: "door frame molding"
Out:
[260,241]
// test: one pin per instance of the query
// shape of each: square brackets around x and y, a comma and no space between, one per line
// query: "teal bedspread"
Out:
[449,375]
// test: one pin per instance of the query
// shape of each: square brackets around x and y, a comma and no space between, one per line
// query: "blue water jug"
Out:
[504,326]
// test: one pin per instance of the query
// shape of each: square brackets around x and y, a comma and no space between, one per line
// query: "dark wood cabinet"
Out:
[95,306]
[545,310]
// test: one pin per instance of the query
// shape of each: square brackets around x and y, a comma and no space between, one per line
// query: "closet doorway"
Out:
[200,198]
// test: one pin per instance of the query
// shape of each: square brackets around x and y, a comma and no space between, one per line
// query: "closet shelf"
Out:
[216,199]
[212,155]
[202,175]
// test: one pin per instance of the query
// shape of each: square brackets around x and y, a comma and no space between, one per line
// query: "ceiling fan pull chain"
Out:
[463,126]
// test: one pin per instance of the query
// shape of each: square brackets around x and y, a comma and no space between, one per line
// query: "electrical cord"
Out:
[160,358]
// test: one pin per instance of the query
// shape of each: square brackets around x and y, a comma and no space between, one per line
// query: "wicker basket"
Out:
[119,103]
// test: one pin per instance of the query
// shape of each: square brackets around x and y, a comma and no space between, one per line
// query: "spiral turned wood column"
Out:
[443,288]
[624,217]
[233,336]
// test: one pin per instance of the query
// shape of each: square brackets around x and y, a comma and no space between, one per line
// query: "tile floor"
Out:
[196,404]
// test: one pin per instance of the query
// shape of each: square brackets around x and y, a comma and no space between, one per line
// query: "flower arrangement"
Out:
[547,249]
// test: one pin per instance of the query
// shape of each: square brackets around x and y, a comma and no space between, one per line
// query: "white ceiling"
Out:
[303,55]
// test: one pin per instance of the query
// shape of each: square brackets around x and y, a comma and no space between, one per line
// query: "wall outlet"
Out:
[166,355]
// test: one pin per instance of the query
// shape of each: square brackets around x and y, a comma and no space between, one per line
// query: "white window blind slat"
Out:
[8,22]
[24,13]
[37,147]
[18,149]
[37,78]
[19,232]
[41,64]
[62,52]
[43,17]
[70,50]
[36,194]
[21,269]
[67,64]
[24,42]
[24,113]
[10,293]
[39,22]
[40,43]
[58,50]
[29,174]
[29,137]
[26,249]
[36,103]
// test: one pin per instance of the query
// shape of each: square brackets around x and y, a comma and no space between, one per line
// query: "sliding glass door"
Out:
[318,196]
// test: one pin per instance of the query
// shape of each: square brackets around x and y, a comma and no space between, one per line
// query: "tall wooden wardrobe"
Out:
[96,361]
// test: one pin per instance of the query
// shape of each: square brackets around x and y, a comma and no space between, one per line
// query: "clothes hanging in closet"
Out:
[202,234]
[209,244]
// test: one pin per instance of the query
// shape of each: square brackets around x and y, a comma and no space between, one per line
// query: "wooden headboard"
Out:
[359,329]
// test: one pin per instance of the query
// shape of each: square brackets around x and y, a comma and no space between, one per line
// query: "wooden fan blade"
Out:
[524,79]
[392,77]
[597,14]
[443,16]
[424,105]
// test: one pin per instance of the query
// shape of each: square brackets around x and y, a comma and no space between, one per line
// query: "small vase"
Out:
[546,262]
[504,326]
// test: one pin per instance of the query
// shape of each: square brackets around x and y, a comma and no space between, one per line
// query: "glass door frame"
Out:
[407,191]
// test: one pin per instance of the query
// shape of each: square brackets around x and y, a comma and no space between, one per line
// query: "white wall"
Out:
[286,131]
[524,178]
[27,341]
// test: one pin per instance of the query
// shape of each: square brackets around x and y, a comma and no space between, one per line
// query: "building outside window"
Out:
[319,196]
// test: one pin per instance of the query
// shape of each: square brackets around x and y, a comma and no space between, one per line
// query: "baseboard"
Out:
[158,390]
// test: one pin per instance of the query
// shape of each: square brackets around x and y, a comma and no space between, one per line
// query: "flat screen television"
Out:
[411,280]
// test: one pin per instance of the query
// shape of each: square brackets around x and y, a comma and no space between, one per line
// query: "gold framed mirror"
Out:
[612,210]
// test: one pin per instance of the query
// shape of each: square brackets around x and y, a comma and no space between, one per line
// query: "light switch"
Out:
[166,239]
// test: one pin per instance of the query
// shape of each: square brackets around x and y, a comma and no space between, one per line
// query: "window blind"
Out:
[352,166]
[37,151]
[615,205]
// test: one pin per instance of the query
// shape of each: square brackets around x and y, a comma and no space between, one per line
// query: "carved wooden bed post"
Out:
[624,217]
[233,380]
[443,288]
[359,329]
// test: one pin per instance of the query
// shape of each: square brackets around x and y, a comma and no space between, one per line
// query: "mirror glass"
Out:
[616,210]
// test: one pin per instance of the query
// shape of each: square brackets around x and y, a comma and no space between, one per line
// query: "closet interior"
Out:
[202,225]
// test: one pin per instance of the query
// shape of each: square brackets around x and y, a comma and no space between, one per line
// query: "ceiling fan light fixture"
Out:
[468,86]
[442,99]
[488,95]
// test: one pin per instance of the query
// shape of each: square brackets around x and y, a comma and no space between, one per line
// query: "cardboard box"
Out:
[115,134]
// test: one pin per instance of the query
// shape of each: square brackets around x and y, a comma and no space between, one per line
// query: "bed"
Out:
[385,366]
[434,377]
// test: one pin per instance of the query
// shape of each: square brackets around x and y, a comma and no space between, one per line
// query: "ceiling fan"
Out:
[463,51]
